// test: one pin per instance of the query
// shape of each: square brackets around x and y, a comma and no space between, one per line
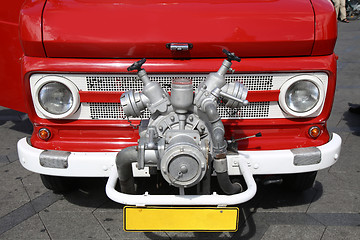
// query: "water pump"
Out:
[184,136]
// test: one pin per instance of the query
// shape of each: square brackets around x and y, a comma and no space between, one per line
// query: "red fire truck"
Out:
[205,97]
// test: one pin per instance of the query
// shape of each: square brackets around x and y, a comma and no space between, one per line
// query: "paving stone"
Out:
[345,95]
[3,160]
[203,235]
[10,134]
[337,219]
[349,163]
[13,156]
[277,199]
[7,206]
[350,53]
[345,75]
[89,197]
[282,218]
[32,228]
[72,225]
[16,216]
[291,232]
[350,122]
[341,120]
[341,233]
[251,229]
[34,186]
[13,171]
[335,195]
[255,203]
[12,195]
[45,200]
[352,67]
[79,203]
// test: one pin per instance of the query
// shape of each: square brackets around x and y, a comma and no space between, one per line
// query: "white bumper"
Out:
[80,164]
[99,164]
[283,161]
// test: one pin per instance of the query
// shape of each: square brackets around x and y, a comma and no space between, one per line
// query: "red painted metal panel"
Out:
[114,97]
[108,29]
[101,97]
[31,28]
[102,137]
[142,28]
[89,135]
[325,27]
[11,91]
[9,11]
[263,96]
[247,65]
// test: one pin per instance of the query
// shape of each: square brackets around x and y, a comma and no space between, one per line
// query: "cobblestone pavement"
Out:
[330,210]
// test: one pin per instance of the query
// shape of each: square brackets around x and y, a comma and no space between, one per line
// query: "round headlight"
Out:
[55,98]
[302,96]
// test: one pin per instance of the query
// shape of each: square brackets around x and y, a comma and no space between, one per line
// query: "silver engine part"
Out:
[184,134]
[183,163]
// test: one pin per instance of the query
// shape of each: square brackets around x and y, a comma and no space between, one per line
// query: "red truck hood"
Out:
[142,28]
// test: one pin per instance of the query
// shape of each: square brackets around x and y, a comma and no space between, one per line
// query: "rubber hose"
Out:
[226,185]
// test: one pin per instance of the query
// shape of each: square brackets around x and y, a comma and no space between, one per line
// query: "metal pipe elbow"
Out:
[218,131]
[124,160]
[211,111]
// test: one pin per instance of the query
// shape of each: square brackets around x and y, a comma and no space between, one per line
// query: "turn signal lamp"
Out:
[44,134]
[314,131]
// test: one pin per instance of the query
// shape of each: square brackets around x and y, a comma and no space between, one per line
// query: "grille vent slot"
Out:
[126,82]
[107,111]
[113,111]
[123,83]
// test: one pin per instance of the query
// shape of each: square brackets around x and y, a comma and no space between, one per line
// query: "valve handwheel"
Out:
[231,56]
[137,65]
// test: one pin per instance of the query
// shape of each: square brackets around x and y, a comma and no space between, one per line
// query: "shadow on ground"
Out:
[353,119]
[20,120]
[91,193]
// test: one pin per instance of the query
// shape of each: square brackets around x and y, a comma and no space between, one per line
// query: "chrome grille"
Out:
[125,82]
[253,110]
[106,111]
[103,83]
[114,111]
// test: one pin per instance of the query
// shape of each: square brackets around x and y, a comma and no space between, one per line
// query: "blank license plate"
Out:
[180,219]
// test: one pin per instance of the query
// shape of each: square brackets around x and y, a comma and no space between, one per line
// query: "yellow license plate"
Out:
[181,219]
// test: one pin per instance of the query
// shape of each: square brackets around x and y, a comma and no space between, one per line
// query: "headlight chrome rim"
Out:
[297,79]
[64,81]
